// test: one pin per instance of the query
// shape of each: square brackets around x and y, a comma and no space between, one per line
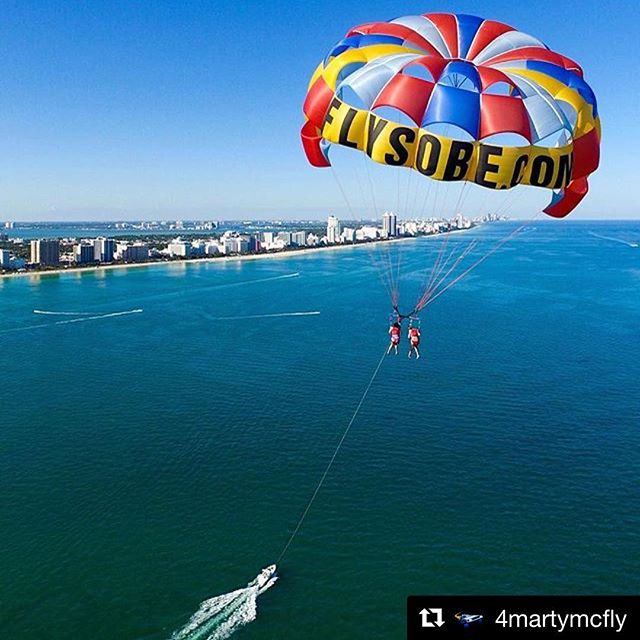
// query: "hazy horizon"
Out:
[109,220]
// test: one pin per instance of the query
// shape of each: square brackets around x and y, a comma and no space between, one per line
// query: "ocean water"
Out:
[153,460]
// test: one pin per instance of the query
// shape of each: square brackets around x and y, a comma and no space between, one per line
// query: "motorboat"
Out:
[266,578]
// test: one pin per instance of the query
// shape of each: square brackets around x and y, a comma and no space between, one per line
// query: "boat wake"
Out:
[633,245]
[290,314]
[80,318]
[62,313]
[219,617]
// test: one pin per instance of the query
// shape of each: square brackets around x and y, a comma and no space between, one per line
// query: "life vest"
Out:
[395,335]
[414,336]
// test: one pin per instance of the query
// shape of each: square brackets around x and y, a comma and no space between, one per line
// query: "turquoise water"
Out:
[152,460]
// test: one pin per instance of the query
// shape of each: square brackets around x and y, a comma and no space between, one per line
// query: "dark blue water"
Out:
[152,460]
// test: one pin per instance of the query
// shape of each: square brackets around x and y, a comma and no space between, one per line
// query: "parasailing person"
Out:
[394,332]
[414,341]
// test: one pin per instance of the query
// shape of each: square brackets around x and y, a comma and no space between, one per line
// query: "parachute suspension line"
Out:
[482,258]
[436,263]
[384,256]
[426,197]
[434,287]
[439,265]
[443,244]
[508,202]
[380,271]
[438,288]
[439,185]
[416,193]
[352,213]
[461,198]
[435,282]
[331,461]
[385,252]
[405,213]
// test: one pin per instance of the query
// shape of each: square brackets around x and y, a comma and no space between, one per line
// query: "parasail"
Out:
[484,79]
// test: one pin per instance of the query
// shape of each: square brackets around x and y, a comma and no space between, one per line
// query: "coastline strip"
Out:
[222,259]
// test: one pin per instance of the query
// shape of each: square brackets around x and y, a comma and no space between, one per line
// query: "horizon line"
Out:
[287,220]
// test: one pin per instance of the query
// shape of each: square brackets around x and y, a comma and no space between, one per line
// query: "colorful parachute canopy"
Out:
[480,76]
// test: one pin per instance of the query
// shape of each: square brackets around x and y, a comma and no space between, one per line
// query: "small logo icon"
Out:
[431,618]
[466,619]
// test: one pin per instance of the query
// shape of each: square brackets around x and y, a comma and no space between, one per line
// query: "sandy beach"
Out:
[258,256]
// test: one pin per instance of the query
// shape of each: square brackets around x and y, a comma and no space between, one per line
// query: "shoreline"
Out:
[221,259]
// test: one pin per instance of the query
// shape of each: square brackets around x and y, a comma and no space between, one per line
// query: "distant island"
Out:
[138,243]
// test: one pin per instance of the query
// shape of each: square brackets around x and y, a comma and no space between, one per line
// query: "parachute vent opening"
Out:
[506,139]
[500,89]
[419,71]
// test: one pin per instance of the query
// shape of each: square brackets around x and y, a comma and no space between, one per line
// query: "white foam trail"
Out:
[243,282]
[271,315]
[62,313]
[73,320]
[634,245]
[115,314]
[221,616]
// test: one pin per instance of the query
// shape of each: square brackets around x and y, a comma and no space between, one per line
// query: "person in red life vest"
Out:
[394,332]
[414,341]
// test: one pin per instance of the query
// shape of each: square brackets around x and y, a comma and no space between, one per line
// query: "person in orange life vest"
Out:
[414,341]
[394,332]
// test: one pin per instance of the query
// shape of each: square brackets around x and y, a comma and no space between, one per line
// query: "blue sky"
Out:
[193,109]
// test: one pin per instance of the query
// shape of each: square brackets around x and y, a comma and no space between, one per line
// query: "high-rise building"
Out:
[242,244]
[179,249]
[97,249]
[45,252]
[348,235]
[299,238]
[84,253]
[197,248]
[138,252]
[286,237]
[267,237]
[254,243]
[333,230]
[5,259]
[389,225]
[212,248]
[104,249]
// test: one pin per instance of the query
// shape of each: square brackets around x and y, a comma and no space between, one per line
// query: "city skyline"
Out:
[113,111]
[19,255]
